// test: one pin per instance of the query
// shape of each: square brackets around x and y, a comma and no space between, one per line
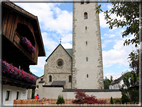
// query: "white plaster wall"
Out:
[93,67]
[53,92]
[117,86]
[97,94]
[13,92]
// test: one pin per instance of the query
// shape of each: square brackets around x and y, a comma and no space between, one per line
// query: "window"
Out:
[87,1]
[87,75]
[59,63]
[85,15]
[70,78]
[86,58]
[85,27]
[37,86]
[17,95]
[82,1]
[86,42]
[7,95]
[41,79]
[50,78]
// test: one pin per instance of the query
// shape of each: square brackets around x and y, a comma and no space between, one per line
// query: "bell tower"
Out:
[87,52]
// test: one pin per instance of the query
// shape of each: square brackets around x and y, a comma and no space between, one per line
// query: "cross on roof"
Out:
[60,40]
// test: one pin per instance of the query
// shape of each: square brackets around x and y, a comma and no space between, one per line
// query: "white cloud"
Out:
[67,45]
[114,75]
[105,43]
[34,70]
[112,35]
[118,54]
[67,37]
[50,16]
[49,43]
[102,20]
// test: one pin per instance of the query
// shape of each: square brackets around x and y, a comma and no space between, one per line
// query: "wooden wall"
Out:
[10,20]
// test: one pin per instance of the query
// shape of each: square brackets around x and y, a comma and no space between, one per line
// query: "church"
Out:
[81,67]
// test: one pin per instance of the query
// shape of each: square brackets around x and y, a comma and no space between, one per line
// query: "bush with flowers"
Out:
[82,98]
[14,72]
[27,44]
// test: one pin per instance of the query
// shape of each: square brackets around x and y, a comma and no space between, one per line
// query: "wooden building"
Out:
[22,44]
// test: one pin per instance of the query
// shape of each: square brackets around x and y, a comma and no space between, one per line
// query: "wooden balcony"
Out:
[15,51]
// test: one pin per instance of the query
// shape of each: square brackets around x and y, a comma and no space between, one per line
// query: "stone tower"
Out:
[87,53]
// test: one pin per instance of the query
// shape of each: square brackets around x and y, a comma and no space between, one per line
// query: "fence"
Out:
[68,102]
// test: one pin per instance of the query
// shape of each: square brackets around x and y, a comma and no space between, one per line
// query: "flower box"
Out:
[13,72]
[27,44]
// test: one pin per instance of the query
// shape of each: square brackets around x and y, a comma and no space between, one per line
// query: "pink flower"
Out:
[28,44]
[16,73]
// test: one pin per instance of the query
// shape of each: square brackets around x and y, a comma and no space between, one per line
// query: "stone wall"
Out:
[58,73]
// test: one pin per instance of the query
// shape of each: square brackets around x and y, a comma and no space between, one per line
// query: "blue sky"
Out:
[55,21]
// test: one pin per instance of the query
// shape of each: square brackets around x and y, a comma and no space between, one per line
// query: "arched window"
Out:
[23,30]
[85,15]
[50,78]
[70,78]
[86,58]
[87,76]
[85,27]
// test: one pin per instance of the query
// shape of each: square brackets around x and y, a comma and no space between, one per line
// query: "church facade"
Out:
[80,67]
[59,67]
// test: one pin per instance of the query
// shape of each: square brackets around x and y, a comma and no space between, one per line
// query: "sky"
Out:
[56,21]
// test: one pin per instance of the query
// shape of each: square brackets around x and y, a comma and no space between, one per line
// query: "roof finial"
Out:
[60,40]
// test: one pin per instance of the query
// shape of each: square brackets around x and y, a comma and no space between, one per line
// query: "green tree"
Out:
[111,101]
[60,100]
[107,82]
[134,64]
[111,78]
[129,18]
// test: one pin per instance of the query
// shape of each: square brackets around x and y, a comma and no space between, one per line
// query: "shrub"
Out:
[60,100]
[118,100]
[111,101]
[82,98]
[134,95]
[124,98]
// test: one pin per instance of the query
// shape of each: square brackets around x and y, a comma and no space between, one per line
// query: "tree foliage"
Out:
[128,13]
[134,62]
[107,82]
[111,101]
[124,98]
[60,100]
[82,98]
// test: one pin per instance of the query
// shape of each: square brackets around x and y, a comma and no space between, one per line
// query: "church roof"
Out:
[58,83]
[69,51]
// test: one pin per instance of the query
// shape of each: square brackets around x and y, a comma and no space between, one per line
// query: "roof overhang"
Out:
[34,19]
[14,82]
